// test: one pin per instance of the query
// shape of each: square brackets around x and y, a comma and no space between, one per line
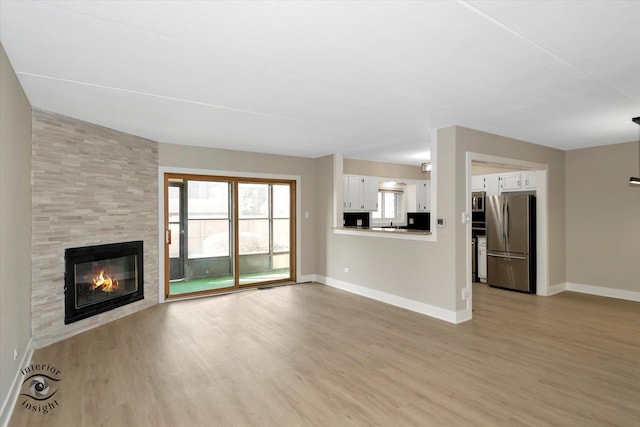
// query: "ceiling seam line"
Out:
[186,101]
[466,4]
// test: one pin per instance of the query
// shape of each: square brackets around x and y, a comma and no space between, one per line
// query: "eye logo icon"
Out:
[39,387]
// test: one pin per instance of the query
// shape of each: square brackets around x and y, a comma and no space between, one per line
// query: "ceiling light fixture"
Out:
[425,167]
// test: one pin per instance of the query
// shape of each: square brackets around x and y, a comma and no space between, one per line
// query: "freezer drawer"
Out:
[509,271]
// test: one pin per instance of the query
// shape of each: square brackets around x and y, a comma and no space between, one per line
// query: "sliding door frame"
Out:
[234,180]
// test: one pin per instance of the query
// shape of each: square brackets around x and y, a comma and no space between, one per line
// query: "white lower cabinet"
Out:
[482,259]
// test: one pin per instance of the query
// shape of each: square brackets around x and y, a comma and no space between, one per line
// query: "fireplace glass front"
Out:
[101,278]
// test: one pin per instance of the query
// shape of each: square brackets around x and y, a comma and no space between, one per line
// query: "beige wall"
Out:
[418,270]
[188,157]
[384,170]
[435,273]
[469,140]
[603,217]
[15,226]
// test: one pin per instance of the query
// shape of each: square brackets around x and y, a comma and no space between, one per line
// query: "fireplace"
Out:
[101,278]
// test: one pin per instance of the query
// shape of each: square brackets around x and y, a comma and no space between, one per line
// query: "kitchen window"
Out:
[390,207]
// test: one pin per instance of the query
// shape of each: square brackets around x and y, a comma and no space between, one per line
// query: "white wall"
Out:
[15,229]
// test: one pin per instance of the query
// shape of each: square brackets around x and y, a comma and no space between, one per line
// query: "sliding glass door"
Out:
[226,232]
[264,237]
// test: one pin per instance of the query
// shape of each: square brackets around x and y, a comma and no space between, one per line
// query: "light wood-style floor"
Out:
[310,355]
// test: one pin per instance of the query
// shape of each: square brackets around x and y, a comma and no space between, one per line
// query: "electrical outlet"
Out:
[15,353]
[465,293]
[346,269]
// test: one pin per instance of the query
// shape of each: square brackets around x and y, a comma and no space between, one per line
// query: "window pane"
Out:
[281,202]
[208,238]
[378,214]
[208,200]
[174,204]
[280,235]
[254,236]
[389,205]
[253,200]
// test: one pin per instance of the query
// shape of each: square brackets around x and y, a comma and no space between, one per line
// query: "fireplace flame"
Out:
[104,283]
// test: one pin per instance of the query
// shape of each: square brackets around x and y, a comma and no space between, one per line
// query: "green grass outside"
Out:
[210,283]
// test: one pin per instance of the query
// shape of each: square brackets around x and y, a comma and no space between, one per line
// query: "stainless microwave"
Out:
[477,201]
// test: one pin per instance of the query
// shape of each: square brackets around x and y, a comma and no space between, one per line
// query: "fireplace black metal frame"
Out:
[75,256]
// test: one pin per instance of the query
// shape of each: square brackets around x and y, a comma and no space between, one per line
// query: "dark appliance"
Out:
[511,242]
[419,221]
[477,201]
[356,219]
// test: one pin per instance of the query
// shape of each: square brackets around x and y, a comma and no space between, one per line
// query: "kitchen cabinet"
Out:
[529,180]
[360,193]
[482,259]
[511,181]
[423,196]
[492,184]
[518,181]
[477,183]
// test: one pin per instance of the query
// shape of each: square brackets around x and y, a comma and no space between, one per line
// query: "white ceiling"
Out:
[370,80]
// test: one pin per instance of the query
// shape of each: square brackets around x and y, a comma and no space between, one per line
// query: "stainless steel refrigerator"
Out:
[511,242]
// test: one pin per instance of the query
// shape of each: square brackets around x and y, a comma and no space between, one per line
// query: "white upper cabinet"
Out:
[423,196]
[497,183]
[518,181]
[369,193]
[360,193]
[529,180]
[492,184]
[511,181]
[478,183]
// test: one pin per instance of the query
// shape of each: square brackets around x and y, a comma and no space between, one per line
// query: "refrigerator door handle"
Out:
[507,256]
[506,219]
[504,236]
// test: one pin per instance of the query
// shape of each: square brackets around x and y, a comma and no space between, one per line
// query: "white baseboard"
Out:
[556,289]
[603,292]
[398,301]
[12,396]
[307,278]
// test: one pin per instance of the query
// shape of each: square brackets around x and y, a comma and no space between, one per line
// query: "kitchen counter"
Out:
[400,233]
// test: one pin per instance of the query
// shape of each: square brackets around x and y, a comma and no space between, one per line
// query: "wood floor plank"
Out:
[316,356]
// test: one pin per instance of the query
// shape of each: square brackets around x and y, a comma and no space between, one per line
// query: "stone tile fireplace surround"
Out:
[90,186]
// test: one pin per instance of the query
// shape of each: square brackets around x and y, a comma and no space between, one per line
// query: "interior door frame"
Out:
[235,177]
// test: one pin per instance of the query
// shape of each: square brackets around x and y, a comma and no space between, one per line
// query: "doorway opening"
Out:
[523,174]
[224,233]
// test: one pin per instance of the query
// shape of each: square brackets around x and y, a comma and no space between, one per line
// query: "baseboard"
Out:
[12,397]
[556,289]
[307,278]
[604,292]
[398,301]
